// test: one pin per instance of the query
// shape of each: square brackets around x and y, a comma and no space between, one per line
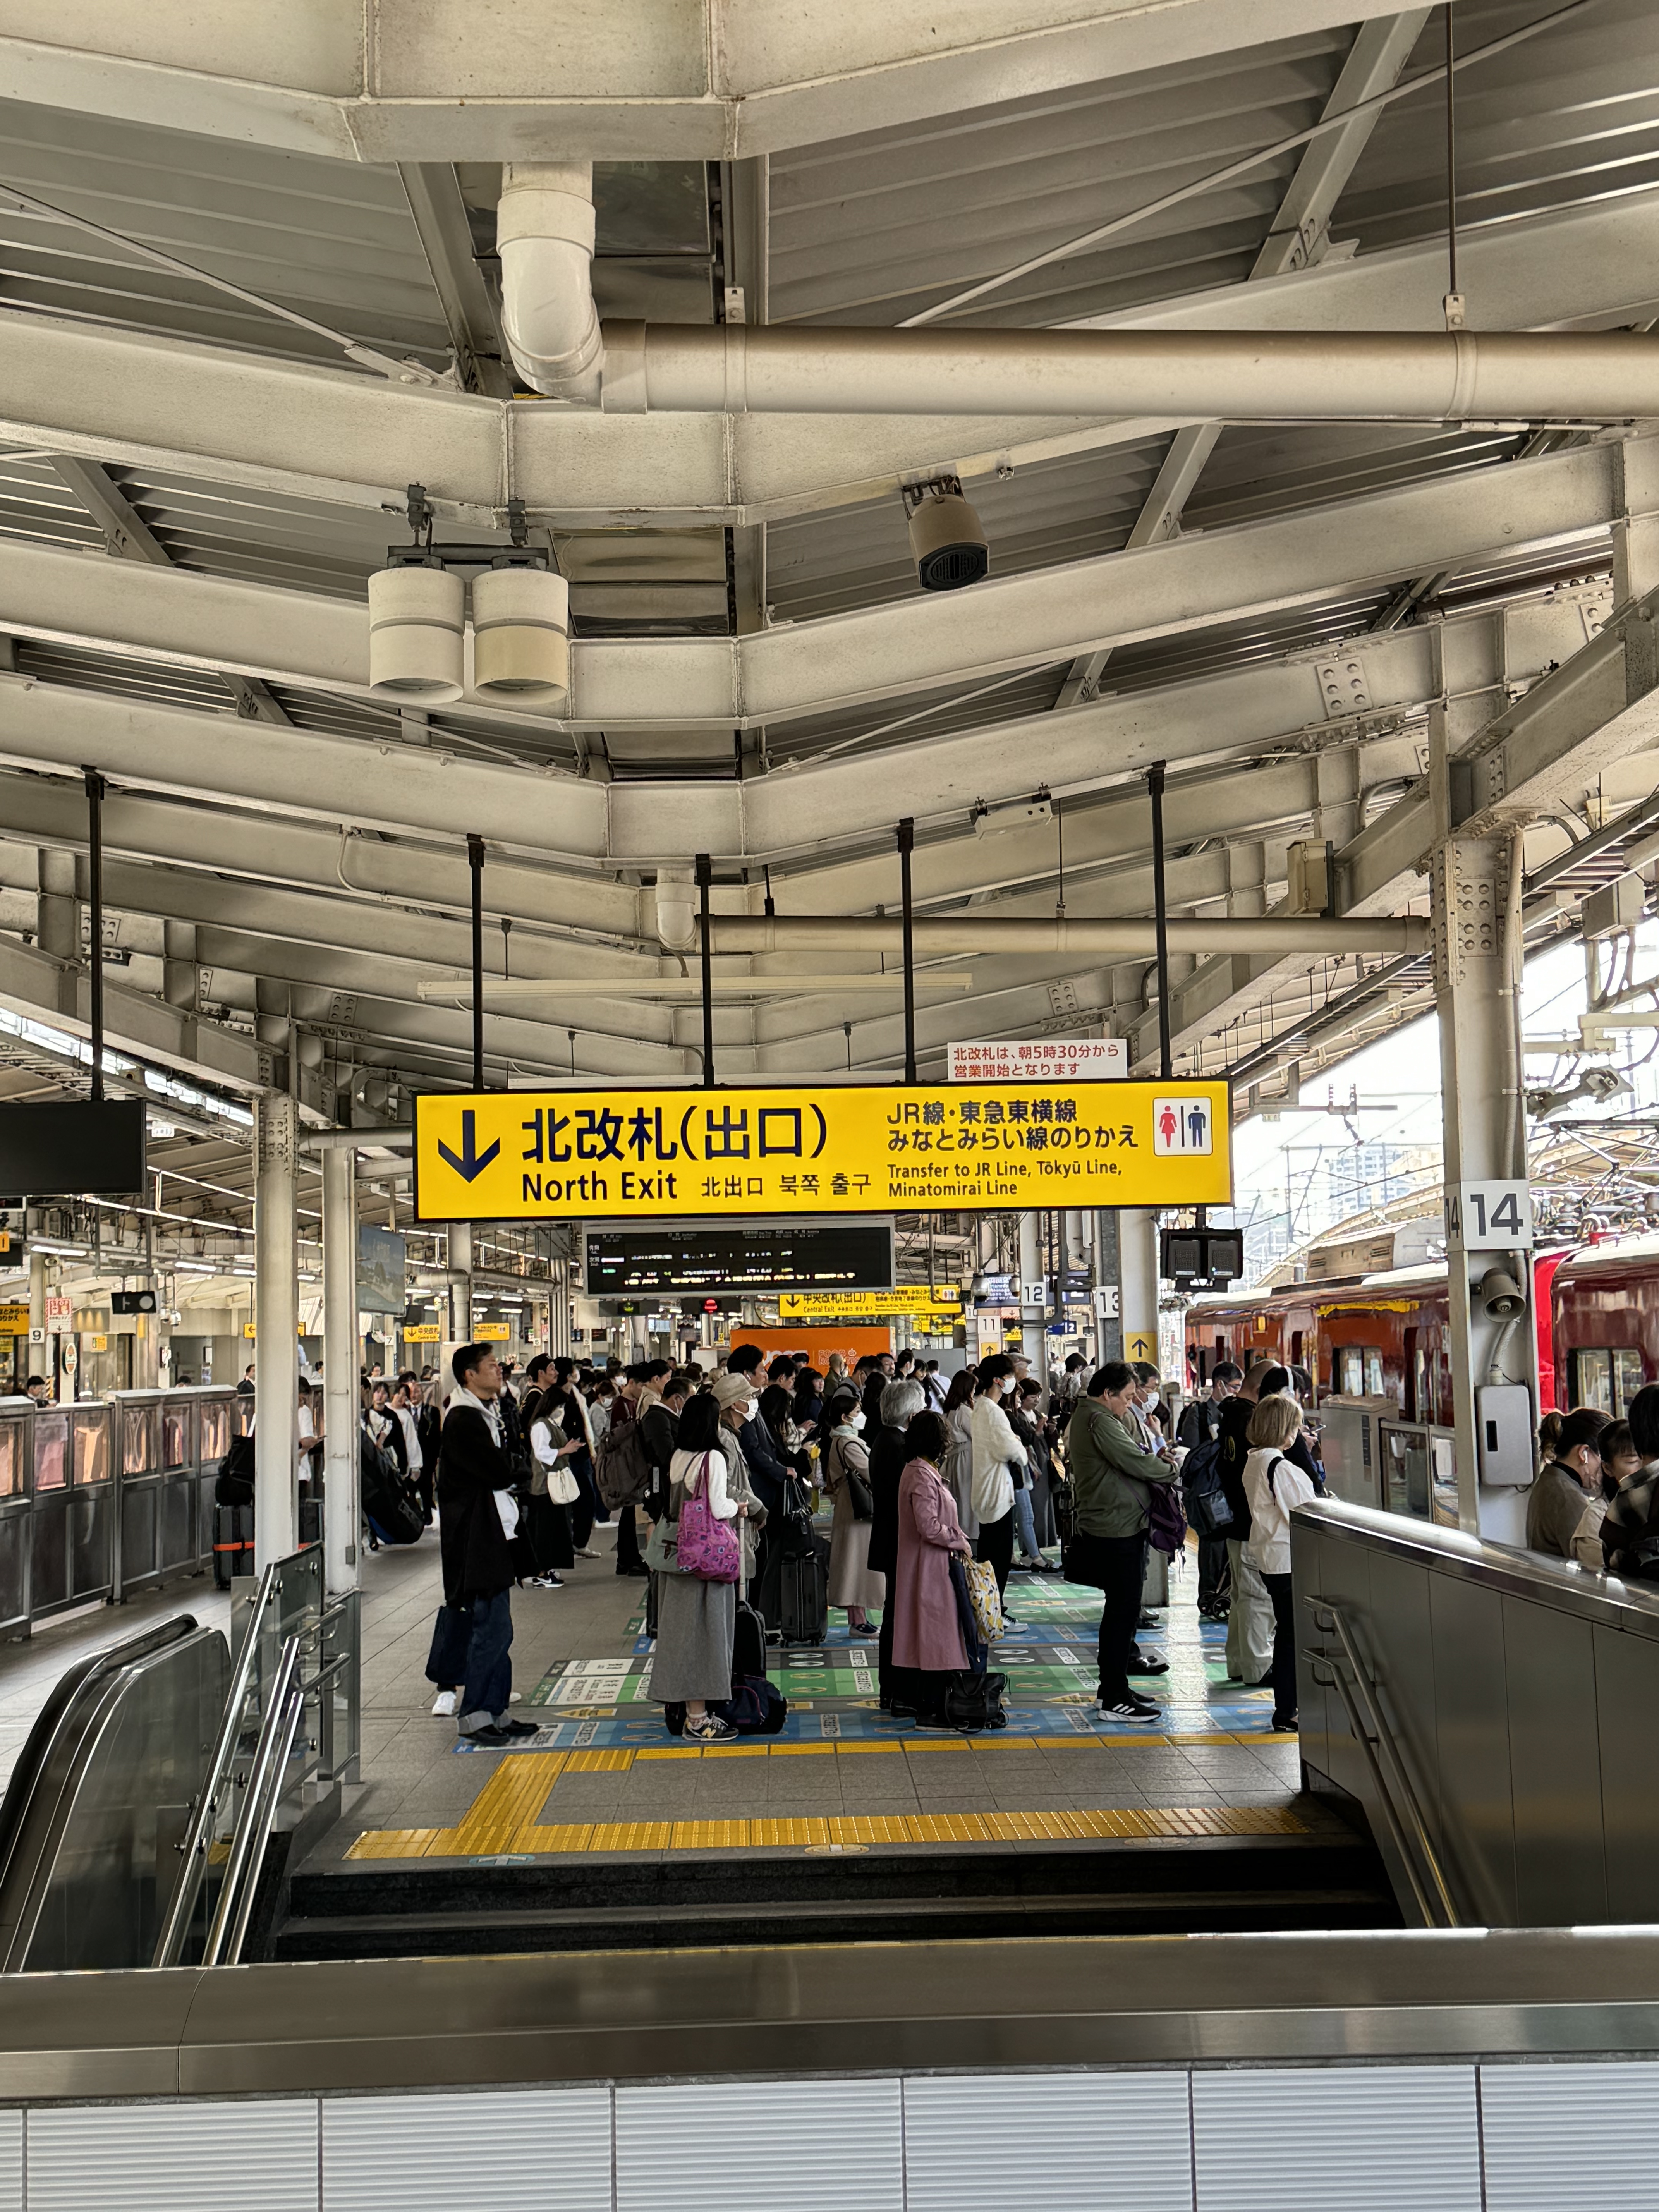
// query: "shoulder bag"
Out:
[709,1547]
[858,1486]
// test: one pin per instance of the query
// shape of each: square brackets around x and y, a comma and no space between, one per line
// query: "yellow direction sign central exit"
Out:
[625,1154]
[919,1302]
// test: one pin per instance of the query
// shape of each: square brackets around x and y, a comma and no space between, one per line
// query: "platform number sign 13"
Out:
[1490,1216]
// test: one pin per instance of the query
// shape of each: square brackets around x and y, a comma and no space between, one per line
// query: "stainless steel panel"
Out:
[1476,1795]
[760,2147]
[1626,1699]
[255,2157]
[1070,2143]
[1345,1578]
[1564,2135]
[1403,1666]
[1555,1765]
[518,2150]
[1070,2002]
[1367,2139]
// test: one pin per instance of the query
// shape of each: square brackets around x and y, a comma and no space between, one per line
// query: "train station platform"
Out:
[603,1776]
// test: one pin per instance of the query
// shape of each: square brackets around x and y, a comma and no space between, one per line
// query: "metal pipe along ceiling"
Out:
[1527,376]
[1126,939]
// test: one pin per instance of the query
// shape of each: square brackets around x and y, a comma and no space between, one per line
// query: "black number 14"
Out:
[1505,1215]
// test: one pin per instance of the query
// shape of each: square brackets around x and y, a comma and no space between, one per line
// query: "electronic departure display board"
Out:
[711,1257]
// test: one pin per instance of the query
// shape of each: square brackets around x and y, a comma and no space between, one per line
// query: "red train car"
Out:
[1604,1301]
[1388,1336]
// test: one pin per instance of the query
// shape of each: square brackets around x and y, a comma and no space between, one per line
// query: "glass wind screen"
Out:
[91,1449]
[50,1452]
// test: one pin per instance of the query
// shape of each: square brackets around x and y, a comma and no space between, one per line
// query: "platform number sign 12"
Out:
[1490,1216]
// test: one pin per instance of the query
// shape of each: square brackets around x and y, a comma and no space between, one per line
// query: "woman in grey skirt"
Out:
[691,1664]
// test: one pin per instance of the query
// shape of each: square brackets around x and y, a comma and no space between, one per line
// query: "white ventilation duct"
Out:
[1117,937]
[545,235]
[675,910]
[1261,376]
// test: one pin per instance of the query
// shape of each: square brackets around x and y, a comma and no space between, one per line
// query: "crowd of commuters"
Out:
[917,1473]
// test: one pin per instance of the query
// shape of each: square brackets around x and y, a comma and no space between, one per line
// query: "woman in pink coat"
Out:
[927,1645]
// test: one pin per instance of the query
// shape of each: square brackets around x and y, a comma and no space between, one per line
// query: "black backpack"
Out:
[233,1485]
[1207,1509]
[973,1703]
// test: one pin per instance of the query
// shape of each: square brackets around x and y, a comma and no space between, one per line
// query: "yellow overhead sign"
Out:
[641,1155]
[13,1321]
[492,1331]
[921,1304]
[425,1332]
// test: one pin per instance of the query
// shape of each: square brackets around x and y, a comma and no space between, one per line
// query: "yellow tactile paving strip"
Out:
[503,1822]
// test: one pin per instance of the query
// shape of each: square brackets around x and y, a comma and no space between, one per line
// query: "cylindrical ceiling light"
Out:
[416,618]
[520,633]
[947,538]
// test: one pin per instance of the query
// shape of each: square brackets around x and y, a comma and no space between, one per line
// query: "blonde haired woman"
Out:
[1273,1486]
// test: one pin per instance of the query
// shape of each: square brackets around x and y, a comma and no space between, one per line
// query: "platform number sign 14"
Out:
[1490,1216]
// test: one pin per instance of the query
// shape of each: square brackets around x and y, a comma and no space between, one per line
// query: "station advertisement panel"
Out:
[626,1154]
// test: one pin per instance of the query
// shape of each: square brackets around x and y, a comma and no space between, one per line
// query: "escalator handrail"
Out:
[76,1700]
[181,1907]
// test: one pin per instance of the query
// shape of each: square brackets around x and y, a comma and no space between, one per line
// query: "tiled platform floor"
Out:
[603,1775]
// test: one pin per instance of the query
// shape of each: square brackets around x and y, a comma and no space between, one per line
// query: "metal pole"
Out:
[475,861]
[276,1321]
[96,895]
[705,876]
[342,1514]
[1160,916]
[907,845]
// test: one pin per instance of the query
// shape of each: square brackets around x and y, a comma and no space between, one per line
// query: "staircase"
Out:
[1198,1885]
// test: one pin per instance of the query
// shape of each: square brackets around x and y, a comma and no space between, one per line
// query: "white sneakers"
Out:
[445,1702]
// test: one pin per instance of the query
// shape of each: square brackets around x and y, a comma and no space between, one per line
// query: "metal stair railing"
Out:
[1402,1813]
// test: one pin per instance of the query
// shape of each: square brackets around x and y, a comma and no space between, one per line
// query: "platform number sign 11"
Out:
[1490,1216]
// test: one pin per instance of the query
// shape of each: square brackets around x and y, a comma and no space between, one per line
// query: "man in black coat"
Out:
[478,1515]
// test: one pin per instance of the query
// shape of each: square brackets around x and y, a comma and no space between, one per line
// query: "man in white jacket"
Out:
[997,1452]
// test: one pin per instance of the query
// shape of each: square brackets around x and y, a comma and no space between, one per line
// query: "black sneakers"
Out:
[1131,1708]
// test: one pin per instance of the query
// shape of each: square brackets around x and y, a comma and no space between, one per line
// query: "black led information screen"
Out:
[72,1147]
[725,1257]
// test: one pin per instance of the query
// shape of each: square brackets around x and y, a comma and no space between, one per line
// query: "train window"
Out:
[1593,1380]
[1417,1390]
[1351,1368]
[1374,1374]
[1627,1380]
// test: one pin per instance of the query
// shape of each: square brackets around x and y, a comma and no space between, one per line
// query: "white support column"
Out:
[277,1316]
[342,1352]
[460,1289]
[1137,1277]
[1473,892]
[1034,1317]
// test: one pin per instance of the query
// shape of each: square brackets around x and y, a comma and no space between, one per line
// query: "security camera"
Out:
[1501,1296]
[947,538]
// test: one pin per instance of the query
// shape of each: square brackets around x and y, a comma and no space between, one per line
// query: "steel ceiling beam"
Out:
[893,651]
[577,826]
[646,80]
[1296,238]
[347,439]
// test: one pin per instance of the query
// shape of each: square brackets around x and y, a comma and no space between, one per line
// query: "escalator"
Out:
[100,1797]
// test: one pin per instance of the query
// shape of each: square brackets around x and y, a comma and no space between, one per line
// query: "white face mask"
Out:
[750,1408]
[856,1422]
